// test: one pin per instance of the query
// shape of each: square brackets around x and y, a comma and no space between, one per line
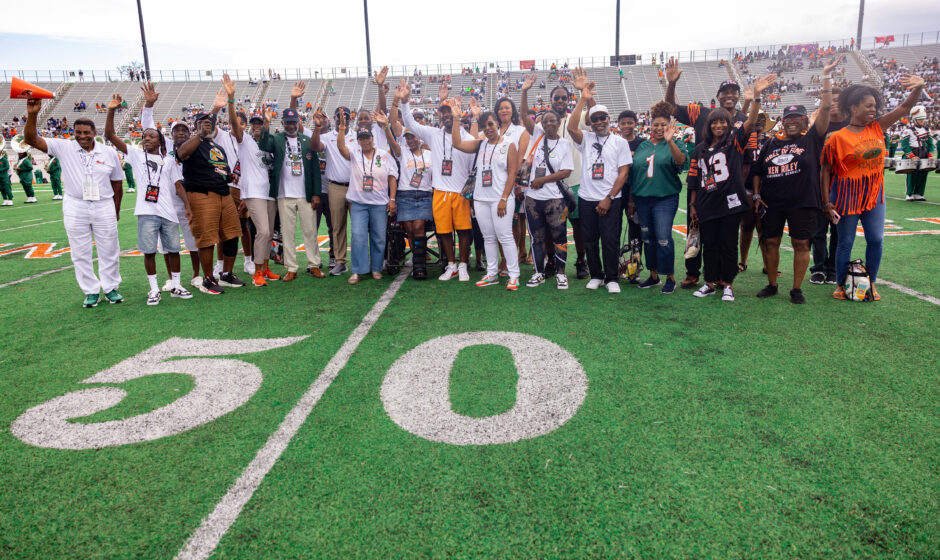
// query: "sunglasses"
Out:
[560,98]
[598,118]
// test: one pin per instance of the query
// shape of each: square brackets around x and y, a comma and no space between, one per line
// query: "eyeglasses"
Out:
[599,118]
[560,98]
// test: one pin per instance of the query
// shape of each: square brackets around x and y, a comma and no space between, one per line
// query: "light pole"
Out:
[365,11]
[143,40]
[861,16]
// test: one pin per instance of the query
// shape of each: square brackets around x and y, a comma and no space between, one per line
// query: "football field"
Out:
[404,419]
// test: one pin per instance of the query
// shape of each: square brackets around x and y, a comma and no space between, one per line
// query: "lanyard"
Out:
[492,154]
[290,151]
[371,163]
[414,162]
[546,151]
[88,160]
[444,145]
[147,165]
[600,152]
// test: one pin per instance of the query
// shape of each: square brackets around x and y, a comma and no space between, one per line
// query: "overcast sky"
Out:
[60,34]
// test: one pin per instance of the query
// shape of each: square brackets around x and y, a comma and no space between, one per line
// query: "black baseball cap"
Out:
[203,116]
[363,133]
[290,116]
[728,84]
[794,110]
[256,119]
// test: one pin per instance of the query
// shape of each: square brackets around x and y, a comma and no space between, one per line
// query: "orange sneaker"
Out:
[270,275]
[258,278]
[839,293]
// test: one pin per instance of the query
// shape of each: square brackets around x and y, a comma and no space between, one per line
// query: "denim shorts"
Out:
[414,205]
[149,227]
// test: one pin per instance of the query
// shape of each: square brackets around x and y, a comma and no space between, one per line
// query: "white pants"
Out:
[497,231]
[290,209]
[90,223]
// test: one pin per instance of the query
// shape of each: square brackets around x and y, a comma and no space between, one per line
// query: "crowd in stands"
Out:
[928,68]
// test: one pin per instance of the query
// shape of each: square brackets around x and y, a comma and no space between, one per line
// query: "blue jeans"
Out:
[873,224]
[368,223]
[656,215]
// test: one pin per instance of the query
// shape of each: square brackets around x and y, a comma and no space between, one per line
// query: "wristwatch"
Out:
[756,196]
[611,197]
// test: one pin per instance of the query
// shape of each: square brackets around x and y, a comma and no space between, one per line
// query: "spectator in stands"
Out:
[857,183]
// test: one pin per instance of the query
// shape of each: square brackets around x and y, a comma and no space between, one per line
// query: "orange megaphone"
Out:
[25,90]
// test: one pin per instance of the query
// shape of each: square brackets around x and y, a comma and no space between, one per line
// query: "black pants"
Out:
[693,266]
[720,248]
[548,216]
[634,231]
[324,211]
[605,229]
[825,260]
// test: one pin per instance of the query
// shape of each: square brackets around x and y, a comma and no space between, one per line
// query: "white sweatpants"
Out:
[497,231]
[90,223]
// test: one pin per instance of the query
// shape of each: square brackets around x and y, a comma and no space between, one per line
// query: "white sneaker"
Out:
[217,269]
[153,298]
[919,197]
[728,294]
[181,293]
[536,280]
[562,281]
[167,286]
[594,284]
[909,197]
[249,267]
[7,203]
[30,200]
[131,190]
[57,197]
[613,288]
[462,273]
[449,272]
[704,291]
[196,282]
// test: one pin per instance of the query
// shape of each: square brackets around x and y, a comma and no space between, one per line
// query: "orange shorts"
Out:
[451,211]
[214,218]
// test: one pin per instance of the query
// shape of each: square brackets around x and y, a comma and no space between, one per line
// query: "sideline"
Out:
[204,541]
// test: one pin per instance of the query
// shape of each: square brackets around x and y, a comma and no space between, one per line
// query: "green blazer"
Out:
[4,165]
[277,144]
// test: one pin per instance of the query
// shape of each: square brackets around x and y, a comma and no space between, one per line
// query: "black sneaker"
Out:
[796,296]
[210,286]
[769,290]
[648,283]
[817,278]
[831,278]
[229,279]
[582,270]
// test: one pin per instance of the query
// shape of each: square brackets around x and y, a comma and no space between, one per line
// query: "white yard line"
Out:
[204,541]
[917,202]
[40,275]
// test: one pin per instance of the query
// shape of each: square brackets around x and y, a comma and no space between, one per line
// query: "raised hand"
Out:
[455,106]
[380,118]
[150,94]
[221,99]
[827,69]
[529,81]
[298,90]
[342,121]
[320,117]
[403,91]
[475,108]
[115,101]
[588,91]
[33,106]
[579,78]
[672,70]
[229,86]
[671,129]
[748,93]
[380,76]
[910,81]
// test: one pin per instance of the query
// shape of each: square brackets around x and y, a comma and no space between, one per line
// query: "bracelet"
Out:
[395,105]
[231,101]
[825,91]
[756,196]
[474,120]
[391,200]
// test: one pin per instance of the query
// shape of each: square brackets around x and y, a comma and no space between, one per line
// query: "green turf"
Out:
[756,429]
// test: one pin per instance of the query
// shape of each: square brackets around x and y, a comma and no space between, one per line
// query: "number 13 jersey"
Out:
[715,172]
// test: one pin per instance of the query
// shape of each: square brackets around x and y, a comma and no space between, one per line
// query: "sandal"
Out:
[742,267]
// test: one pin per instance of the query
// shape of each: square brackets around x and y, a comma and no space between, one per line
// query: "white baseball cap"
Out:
[598,109]
[919,112]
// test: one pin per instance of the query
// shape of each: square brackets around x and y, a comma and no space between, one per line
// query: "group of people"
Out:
[496,176]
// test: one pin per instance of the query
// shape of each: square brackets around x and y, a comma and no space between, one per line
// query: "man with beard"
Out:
[92,204]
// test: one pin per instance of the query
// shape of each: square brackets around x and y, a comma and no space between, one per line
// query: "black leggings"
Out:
[551,216]
[720,248]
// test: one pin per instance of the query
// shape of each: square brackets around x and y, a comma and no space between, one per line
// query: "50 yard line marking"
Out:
[204,541]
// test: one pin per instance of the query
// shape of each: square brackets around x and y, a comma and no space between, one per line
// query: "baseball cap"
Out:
[728,84]
[179,123]
[598,109]
[256,119]
[919,112]
[290,116]
[202,116]
[363,133]
[791,110]
[411,132]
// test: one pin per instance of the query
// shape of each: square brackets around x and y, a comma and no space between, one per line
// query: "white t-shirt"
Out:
[559,155]
[493,157]
[614,153]
[514,134]
[154,169]
[255,164]
[337,167]
[575,177]
[102,162]
[230,146]
[440,142]
[410,163]
[290,185]
[380,167]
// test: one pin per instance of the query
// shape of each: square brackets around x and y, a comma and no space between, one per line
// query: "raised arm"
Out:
[318,119]
[393,145]
[394,115]
[528,123]
[296,93]
[672,77]
[341,136]
[109,131]
[760,84]
[825,97]
[219,102]
[380,75]
[236,125]
[678,154]
[579,80]
[425,133]
[468,146]
[30,133]
[916,85]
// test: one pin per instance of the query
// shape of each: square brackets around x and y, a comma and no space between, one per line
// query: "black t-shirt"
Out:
[207,169]
[789,171]
[834,127]
[695,115]
[724,194]
[635,143]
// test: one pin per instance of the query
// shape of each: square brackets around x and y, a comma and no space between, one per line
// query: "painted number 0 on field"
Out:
[221,386]
[551,387]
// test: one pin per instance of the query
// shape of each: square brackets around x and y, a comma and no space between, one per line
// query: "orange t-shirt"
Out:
[857,162]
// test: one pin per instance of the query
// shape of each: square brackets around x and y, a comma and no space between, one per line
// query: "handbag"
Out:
[693,242]
[566,193]
[857,282]
[467,190]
